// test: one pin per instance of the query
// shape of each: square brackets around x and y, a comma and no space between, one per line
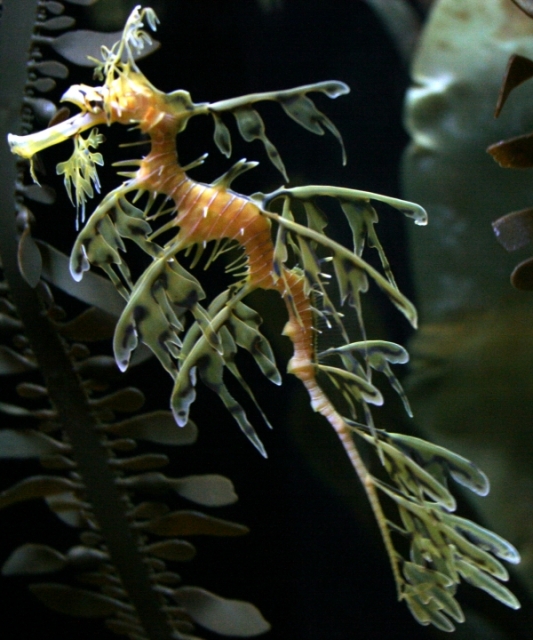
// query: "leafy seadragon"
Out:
[164,306]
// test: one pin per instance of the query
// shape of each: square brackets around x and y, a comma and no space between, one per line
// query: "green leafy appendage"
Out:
[80,173]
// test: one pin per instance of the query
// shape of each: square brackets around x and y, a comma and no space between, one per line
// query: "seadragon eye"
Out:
[88,99]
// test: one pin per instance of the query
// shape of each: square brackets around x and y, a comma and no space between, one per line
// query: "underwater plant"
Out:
[166,213]
[514,230]
[471,358]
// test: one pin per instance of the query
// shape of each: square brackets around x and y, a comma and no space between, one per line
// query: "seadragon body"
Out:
[164,310]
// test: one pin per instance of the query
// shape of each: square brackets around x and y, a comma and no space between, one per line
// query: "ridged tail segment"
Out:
[299,329]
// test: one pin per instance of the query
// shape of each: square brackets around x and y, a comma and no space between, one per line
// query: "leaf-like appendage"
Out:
[193,523]
[28,443]
[100,240]
[76,602]
[378,354]
[429,596]
[209,490]
[480,579]
[441,462]
[80,171]
[483,538]
[152,313]
[227,617]
[33,559]
[353,385]
[413,480]
[350,269]
[251,127]
[210,367]
[444,547]
[35,487]
[222,136]
[244,325]
[236,324]
[295,103]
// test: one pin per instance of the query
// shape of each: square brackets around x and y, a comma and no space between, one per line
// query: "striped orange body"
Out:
[208,213]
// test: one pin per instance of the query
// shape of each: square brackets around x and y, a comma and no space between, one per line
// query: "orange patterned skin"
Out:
[205,213]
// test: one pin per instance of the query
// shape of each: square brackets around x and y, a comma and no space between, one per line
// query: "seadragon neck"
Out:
[160,170]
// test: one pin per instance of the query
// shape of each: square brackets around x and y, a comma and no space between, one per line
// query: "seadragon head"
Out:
[114,101]
[126,97]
